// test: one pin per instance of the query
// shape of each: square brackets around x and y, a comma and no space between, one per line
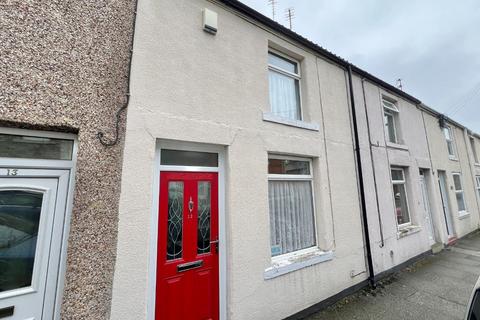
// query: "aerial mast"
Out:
[273,4]
[290,14]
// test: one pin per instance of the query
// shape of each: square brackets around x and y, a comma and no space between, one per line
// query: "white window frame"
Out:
[297,76]
[52,168]
[462,191]
[404,183]
[292,177]
[450,140]
[390,108]
[474,150]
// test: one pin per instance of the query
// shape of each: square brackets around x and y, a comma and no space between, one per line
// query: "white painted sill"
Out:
[463,215]
[477,164]
[397,146]
[407,231]
[270,117]
[453,158]
[297,262]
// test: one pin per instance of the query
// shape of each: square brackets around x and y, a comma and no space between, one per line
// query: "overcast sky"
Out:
[432,45]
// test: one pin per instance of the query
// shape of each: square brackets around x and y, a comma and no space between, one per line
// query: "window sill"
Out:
[297,262]
[270,117]
[397,146]
[407,230]
[463,215]
[453,158]
[477,164]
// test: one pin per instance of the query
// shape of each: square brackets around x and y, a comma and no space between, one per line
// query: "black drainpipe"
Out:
[101,135]
[371,274]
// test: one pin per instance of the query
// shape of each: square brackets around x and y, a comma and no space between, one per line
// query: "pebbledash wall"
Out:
[64,68]
[190,86]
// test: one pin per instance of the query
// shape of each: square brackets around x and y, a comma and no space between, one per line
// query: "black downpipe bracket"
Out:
[371,274]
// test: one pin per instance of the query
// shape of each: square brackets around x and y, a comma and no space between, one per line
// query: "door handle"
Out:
[190,265]
[7,312]
[215,242]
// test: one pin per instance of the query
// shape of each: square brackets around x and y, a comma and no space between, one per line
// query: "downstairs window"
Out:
[290,195]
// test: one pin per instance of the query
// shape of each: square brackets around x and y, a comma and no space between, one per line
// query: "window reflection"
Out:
[19,221]
[14,146]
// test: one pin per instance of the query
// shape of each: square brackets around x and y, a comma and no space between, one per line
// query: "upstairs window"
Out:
[292,223]
[447,131]
[399,184]
[457,182]
[284,86]
[390,116]
[474,149]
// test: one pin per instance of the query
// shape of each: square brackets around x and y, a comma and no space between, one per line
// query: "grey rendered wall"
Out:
[474,161]
[389,246]
[188,85]
[440,160]
[64,68]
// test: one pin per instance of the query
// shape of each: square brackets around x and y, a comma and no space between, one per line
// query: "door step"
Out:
[437,247]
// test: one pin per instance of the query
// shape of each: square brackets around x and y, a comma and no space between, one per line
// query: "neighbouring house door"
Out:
[187,252]
[426,208]
[442,180]
[31,228]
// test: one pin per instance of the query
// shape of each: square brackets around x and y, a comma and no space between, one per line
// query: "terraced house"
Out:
[455,197]
[257,175]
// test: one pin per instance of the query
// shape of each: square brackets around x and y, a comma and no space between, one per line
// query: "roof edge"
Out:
[246,10]
[434,112]
[257,16]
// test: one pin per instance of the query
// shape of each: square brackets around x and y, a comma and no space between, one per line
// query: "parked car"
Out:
[473,311]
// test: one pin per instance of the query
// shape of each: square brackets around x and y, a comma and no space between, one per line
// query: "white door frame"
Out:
[64,170]
[427,207]
[152,265]
[446,207]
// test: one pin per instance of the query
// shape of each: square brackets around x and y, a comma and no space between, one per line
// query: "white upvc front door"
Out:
[442,180]
[32,217]
[427,209]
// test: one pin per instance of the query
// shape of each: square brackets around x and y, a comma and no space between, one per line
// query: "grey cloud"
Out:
[433,45]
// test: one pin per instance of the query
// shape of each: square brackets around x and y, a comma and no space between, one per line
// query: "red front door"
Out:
[187,254]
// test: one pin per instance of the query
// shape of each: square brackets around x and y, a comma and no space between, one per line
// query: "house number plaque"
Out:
[12,172]
[9,172]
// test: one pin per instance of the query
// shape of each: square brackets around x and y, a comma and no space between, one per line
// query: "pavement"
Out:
[437,287]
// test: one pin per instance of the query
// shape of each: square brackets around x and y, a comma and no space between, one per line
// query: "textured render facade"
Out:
[214,90]
[67,67]
[420,149]
[463,222]
[215,94]
[474,148]
[64,68]
[392,244]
